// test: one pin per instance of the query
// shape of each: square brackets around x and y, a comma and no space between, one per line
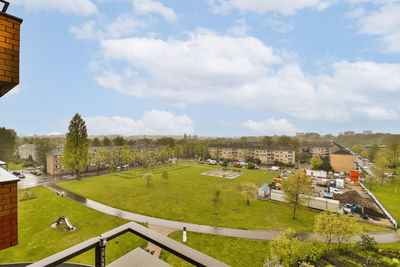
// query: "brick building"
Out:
[8,209]
[27,150]
[341,160]
[241,152]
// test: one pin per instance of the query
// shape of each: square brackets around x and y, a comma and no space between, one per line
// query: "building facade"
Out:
[264,154]
[342,160]
[27,150]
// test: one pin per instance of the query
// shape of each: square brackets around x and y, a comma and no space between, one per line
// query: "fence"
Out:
[387,213]
[310,202]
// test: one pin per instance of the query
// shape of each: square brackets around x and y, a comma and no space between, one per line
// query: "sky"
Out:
[207,67]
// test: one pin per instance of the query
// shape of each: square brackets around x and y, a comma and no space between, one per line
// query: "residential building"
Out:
[300,134]
[341,160]
[317,149]
[241,152]
[53,159]
[367,132]
[27,150]
[349,133]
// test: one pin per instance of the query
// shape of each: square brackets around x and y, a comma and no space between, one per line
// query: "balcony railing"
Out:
[99,244]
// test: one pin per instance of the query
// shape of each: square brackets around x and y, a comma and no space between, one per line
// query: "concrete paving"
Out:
[386,237]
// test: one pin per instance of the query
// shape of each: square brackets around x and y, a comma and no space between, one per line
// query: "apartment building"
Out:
[317,149]
[27,150]
[241,152]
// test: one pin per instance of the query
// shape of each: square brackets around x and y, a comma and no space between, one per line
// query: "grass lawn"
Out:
[13,166]
[232,251]
[38,240]
[188,196]
[385,194]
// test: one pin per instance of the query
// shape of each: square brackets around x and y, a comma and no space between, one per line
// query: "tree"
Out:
[76,147]
[332,226]
[372,151]
[248,190]
[316,163]
[267,141]
[370,181]
[251,165]
[396,181]
[149,177]
[115,156]
[125,155]
[166,141]
[364,154]
[96,142]
[8,139]
[286,248]
[43,147]
[217,200]
[380,166]
[119,141]
[165,176]
[295,185]
[356,148]
[106,141]
[101,157]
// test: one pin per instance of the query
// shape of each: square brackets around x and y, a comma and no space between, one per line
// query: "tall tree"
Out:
[106,141]
[119,141]
[76,147]
[8,139]
[126,155]
[267,141]
[96,142]
[43,147]
[372,151]
[295,185]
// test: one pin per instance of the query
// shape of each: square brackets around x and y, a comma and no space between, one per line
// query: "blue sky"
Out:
[207,67]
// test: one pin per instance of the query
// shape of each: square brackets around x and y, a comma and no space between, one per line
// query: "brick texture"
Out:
[9,52]
[8,215]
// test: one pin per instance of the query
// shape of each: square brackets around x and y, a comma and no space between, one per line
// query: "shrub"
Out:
[367,243]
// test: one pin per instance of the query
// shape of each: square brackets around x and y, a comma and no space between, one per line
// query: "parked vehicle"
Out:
[16,173]
[274,168]
[21,175]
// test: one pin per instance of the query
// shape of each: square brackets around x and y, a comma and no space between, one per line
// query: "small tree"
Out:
[165,176]
[149,177]
[248,190]
[217,200]
[295,185]
[332,226]
[286,248]
[370,180]
[316,163]
[251,165]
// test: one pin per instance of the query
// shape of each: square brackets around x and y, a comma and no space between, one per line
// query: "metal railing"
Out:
[99,243]
[387,213]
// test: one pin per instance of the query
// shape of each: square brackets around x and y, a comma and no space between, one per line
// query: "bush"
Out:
[251,165]
[367,243]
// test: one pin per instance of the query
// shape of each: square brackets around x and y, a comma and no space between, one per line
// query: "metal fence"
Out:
[387,213]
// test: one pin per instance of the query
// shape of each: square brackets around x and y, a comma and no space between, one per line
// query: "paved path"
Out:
[163,231]
[386,237]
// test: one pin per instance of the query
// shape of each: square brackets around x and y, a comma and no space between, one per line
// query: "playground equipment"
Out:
[60,220]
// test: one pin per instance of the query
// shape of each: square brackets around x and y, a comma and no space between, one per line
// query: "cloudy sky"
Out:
[207,67]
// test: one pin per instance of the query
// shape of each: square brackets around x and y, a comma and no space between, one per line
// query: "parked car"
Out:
[16,173]
[21,175]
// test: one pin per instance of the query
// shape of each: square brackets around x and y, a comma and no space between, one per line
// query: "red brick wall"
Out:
[8,215]
[9,52]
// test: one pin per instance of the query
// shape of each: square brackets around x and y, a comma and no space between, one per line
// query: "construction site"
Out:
[337,192]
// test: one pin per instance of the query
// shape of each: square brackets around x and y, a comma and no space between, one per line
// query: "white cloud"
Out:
[243,72]
[77,7]
[55,133]
[377,113]
[279,25]
[226,124]
[239,29]
[123,25]
[156,122]
[271,127]
[383,23]
[285,7]
[150,6]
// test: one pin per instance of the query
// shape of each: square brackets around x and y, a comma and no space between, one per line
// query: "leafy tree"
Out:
[287,248]
[225,162]
[332,226]
[267,141]
[166,141]
[164,176]
[370,181]
[380,166]
[8,139]
[43,147]
[356,148]
[251,165]
[149,177]
[178,151]
[101,157]
[364,154]
[217,200]
[96,142]
[372,151]
[295,185]
[303,157]
[367,243]
[125,155]
[115,156]
[76,147]
[248,190]
[119,141]
[106,141]
[396,181]
[316,163]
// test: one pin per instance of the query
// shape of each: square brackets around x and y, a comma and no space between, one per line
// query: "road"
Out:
[205,229]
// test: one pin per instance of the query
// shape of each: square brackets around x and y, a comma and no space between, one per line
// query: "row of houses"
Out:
[55,167]
[241,152]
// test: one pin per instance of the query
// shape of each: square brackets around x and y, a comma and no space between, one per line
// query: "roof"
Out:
[138,258]
[249,145]
[27,146]
[264,187]
[341,152]
[6,177]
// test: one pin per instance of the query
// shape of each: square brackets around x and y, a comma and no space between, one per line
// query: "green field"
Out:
[38,240]
[13,166]
[188,196]
[385,193]
[232,251]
